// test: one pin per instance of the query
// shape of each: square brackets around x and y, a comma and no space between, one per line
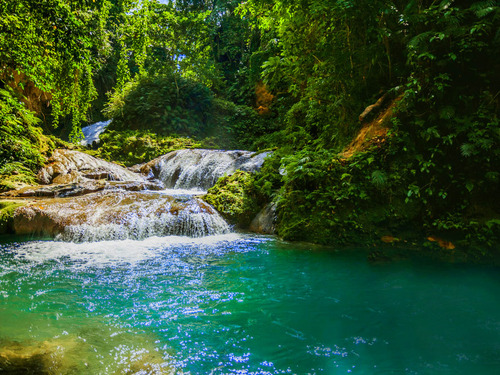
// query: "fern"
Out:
[467,150]
[482,8]
[379,178]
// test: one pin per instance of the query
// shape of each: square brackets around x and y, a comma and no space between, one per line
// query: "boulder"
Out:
[265,221]
[68,166]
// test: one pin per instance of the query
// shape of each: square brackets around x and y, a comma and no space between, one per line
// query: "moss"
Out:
[15,175]
[131,147]
[234,197]
[7,209]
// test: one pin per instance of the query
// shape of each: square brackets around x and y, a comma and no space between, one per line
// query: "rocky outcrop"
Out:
[118,214]
[82,188]
[68,166]
[7,209]
[83,198]
[73,173]
[265,221]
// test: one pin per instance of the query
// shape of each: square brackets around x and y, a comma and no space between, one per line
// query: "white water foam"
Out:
[106,253]
[200,169]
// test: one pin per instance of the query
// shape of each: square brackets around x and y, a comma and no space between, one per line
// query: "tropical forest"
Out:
[249,187]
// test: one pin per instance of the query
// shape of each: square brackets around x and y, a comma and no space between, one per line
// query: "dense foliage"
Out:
[296,76]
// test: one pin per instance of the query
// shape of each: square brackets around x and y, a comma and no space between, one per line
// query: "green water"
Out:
[247,305]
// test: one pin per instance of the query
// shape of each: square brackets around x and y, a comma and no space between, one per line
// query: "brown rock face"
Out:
[67,166]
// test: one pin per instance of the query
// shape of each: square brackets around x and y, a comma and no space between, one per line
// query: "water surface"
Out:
[243,304]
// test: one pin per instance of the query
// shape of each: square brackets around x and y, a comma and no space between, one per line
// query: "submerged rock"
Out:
[118,214]
[265,221]
[200,169]
[68,166]
[42,358]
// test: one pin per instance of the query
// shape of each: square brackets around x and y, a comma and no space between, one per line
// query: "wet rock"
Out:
[43,358]
[7,209]
[81,188]
[265,221]
[68,166]
[118,214]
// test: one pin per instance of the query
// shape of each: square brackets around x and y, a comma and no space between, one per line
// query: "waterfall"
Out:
[92,132]
[117,211]
[200,169]
[120,215]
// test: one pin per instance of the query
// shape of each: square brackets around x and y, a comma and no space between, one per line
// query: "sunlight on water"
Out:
[242,304]
[107,253]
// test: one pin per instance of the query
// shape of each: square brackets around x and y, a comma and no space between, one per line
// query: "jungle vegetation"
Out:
[383,114]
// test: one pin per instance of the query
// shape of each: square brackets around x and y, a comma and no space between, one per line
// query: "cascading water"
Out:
[120,215]
[200,169]
[117,214]
[91,133]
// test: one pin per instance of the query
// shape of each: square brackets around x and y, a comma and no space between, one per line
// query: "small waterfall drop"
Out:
[92,132]
[200,169]
[120,215]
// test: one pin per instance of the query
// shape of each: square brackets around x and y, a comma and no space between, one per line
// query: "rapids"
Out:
[200,169]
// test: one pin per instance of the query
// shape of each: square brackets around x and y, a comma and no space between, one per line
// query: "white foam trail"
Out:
[177,192]
[105,253]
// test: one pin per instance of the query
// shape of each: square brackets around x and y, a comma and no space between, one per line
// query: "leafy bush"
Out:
[165,104]
[175,106]
[23,147]
[239,126]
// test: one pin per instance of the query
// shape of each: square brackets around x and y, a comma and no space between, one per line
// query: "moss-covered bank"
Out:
[7,209]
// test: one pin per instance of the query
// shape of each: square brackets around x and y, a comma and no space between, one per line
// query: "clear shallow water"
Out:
[241,304]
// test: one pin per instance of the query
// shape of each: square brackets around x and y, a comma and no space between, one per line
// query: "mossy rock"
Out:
[7,209]
[234,198]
